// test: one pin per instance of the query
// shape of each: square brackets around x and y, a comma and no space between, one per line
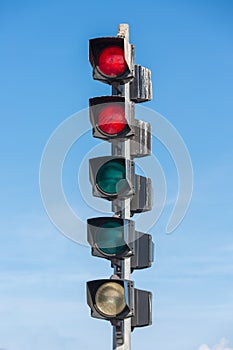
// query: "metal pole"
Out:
[123,149]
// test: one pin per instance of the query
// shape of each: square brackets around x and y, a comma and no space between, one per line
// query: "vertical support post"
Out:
[123,148]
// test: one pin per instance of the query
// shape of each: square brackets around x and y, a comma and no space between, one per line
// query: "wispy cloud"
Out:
[222,345]
[48,324]
[199,267]
[228,248]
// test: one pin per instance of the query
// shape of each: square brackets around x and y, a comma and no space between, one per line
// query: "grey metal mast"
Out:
[122,333]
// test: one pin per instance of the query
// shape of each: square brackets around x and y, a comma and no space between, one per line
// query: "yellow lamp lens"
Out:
[110,299]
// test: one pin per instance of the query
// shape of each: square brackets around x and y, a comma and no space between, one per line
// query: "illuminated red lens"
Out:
[111,61]
[111,119]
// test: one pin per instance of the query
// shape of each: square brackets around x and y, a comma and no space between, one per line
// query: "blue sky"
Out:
[45,78]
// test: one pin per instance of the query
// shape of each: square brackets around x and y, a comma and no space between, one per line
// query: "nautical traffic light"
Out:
[113,178]
[111,237]
[111,117]
[111,59]
[115,239]
[110,298]
[115,299]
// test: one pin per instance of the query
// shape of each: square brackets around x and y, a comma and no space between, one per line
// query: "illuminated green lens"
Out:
[110,299]
[109,176]
[110,238]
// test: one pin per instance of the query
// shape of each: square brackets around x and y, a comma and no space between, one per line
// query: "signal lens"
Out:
[110,299]
[110,177]
[110,238]
[111,119]
[111,61]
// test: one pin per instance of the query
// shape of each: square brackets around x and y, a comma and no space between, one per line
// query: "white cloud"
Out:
[222,345]
[204,347]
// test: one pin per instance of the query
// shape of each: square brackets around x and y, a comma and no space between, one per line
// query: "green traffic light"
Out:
[110,175]
[110,238]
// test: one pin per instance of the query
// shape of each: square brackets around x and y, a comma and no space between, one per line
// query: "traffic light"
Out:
[115,239]
[111,59]
[110,298]
[111,237]
[111,117]
[113,178]
[114,299]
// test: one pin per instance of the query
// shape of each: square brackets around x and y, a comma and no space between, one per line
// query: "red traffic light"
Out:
[111,119]
[111,61]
